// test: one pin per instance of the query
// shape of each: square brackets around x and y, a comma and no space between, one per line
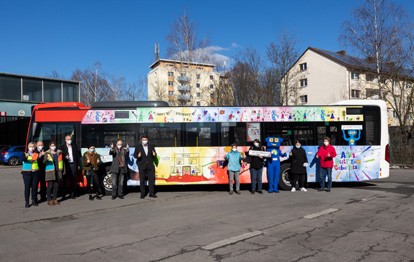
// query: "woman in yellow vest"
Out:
[30,173]
[54,167]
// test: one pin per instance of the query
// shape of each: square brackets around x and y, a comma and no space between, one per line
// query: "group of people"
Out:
[60,166]
[298,161]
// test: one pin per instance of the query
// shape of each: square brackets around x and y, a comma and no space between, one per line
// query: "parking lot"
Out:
[355,222]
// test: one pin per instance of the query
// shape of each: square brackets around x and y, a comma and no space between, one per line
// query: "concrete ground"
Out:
[355,222]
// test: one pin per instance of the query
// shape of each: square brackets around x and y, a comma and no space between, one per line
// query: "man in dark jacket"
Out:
[119,168]
[71,156]
[145,154]
[256,167]
[299,162]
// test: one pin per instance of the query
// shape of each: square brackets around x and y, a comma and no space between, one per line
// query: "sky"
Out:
[39,37]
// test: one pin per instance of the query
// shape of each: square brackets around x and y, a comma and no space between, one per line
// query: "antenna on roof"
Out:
[157,51]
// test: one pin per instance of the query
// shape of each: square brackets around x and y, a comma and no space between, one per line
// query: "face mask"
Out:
[234,149]
[256,144]
[92,150]
[326,143]
[144,142]
[39,148]
[53,148]
[119,146]
[69,142]
[31,149]
[297,146]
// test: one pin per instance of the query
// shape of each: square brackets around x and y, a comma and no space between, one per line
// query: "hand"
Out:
[329,155]
[317,156]
[87,161]
[305,164]
[42,153]
[98,161]
[139,154]
[153,153]
[67,156]
[261,157]
[290,154]
[112,145]
[127,146]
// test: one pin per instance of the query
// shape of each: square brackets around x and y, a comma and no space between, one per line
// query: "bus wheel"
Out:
[107,181]
[284,179]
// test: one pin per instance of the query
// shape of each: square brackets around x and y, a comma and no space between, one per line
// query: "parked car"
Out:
[12,155]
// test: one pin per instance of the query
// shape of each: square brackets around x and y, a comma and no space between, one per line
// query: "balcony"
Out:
[184,97]
[182,79]
[184,88]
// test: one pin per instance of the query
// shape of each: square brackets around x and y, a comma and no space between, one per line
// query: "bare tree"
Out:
[282,55]
[134,91]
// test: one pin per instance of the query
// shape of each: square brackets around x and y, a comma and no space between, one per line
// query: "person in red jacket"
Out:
[325,154]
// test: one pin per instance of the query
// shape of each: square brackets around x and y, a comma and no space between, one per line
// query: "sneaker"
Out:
[293,189]
[231,192]
[252,192]
[260,191]
[153,196]
[321,189]
[98,197]
[237,192]
[303,189]
[34,203]
[26,205]
[121,197]
[90,197]
[328,190]
[113,197]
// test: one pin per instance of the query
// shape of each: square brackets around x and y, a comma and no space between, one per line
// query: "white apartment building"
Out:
[321,77]
[183,83]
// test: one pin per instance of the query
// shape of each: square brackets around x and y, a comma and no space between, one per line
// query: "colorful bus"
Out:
[191,142]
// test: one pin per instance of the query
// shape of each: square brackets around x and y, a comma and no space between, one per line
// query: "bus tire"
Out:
[106,181]
[284,179]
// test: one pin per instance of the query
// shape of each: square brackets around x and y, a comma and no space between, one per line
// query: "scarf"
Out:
[92,158]
[120,155]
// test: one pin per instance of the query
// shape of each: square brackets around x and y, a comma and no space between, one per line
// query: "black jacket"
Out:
[75,152]
[145,161]
[255,161]
[298,158]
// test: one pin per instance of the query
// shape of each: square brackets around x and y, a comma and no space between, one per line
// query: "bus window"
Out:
[372,125]
[321,134]
[233,133]
[48,132]
[201,134]
[161,134]
[104,135]
[291,132]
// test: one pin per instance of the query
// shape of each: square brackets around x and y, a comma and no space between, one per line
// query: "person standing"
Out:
[325,154]
[71,156]
[40,150]
[256,167]
[299,162]
[118,168]
[53,161]
[30,174]
[90,163]
[234,159]
[145,155]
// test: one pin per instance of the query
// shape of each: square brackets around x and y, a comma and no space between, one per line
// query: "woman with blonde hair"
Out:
[30,174]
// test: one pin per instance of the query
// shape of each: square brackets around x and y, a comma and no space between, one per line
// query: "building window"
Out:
[52,91]
[211,77]
[10,88]
[198,76]
[170,93]
[355,93]
[170,83]
[303,99]
[198,85]
[354,75]
[211,86]
[170,73]
[198,94]
[303,66]
[408,85]
[303,82]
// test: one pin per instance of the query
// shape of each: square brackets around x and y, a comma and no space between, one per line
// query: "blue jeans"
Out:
[256,176]
[322,177]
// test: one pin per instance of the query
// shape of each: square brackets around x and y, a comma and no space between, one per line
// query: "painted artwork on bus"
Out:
[205,165]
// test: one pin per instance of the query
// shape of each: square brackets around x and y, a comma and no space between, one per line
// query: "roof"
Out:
[354,62]
[179,62]
[40,78]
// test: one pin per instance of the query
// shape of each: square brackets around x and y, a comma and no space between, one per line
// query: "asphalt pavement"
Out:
[355,222]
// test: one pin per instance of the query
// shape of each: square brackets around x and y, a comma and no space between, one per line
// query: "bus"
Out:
[191,142]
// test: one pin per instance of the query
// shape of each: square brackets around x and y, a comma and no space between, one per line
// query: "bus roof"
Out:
[128,104]
[57,105]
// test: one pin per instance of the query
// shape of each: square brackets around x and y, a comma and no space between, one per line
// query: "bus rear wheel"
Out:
[284,179]
[107,181]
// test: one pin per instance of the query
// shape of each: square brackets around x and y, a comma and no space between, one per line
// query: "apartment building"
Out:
[183,83]
[322,77]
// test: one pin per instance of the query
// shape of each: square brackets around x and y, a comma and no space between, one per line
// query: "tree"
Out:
[282,55]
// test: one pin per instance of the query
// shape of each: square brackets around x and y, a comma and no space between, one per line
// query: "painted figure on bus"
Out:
[352,139]
[273,163]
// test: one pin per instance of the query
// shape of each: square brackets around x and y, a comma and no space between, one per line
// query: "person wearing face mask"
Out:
[325,154]
[118,168]
[53,161]
[299,162]
[234,159]
[71,156]
[145,155]
[30,173]
[256,167]
[40,150]
[90,163]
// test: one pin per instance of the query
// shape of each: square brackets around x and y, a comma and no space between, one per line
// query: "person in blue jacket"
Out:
[273,163]
[234,159]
